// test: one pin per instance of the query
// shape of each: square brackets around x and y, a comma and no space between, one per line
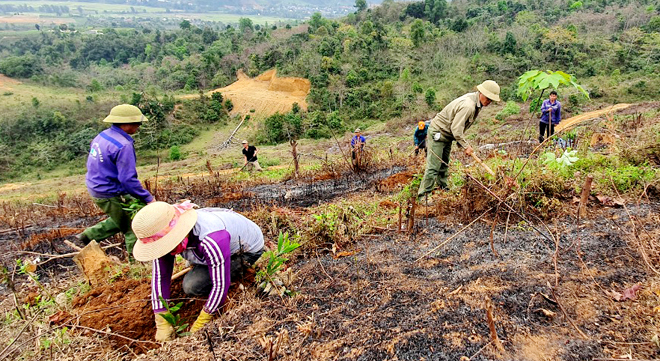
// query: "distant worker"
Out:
[112,177]
[250,153]
[357,146]
[219,243]
[451,124]
[420,137]
[550,116]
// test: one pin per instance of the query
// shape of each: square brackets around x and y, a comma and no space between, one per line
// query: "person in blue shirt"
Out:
[112,176]
[420,137]
[357,145]
[550,116]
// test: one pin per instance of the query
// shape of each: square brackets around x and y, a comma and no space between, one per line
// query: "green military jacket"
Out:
[456,118]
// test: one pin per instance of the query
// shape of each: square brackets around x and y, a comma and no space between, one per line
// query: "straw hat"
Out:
[156,234]
[125,113]
[490,89]
[421,125]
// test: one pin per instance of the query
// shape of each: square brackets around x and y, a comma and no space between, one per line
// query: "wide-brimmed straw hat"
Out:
[490,89]
[160,227]
[125,113]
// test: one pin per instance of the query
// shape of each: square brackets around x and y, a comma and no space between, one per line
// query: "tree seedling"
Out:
[133,206]
[276,259]
[173,319]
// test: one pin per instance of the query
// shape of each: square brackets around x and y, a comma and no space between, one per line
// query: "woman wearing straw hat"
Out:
[217,242]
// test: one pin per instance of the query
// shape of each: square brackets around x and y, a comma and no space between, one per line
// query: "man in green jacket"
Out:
[450,125]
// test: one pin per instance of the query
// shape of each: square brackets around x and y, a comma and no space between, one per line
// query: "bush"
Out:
[429,97]
[175,153]
[511,108]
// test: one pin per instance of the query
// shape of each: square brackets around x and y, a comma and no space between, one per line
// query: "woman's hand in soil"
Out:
[164,330]
[202,320]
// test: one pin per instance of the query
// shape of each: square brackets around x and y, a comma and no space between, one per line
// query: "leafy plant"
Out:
[173,319]
[567,159]
[276,258]
[511,108]
[133,206]
[175,153]
[541,80]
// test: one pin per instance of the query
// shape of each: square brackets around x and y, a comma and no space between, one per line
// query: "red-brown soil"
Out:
[124,308]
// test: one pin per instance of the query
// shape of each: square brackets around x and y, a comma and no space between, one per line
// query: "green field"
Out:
[110,10]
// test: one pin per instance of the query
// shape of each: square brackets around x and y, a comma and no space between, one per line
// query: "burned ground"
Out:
[384,303]
[559,288]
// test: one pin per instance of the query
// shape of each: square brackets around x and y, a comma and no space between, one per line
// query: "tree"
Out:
[430,97]
[417,32]
[244,24]
[510,44]
[535,80]
[361,5]
[185,25]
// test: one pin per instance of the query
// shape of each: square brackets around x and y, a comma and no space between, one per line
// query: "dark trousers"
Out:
[198,282]
[421,145]
[545,129]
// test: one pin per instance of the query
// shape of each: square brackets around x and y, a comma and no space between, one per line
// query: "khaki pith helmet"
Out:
[125,113]
[490,89]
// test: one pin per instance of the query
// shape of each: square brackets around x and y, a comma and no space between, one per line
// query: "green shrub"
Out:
[175,153]
[628,177]
[511,108]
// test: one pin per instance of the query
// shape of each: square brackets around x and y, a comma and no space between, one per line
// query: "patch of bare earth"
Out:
[266,94]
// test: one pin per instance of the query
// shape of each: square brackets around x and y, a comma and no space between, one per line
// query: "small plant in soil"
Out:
[266,277]
[173,318]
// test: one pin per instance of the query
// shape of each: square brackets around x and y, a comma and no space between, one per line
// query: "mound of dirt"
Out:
[124,308]
[266,94]
[395,181]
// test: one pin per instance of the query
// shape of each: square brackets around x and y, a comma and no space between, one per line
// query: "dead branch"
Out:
[59,256]
[491,325]
[20,333]
[584,197]
[645,257]
[455,234]
[481,349]
[110,334]
[563,310]
[508,206]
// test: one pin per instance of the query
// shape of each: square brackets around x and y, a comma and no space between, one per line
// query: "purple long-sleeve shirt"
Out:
[111,166]
[548,107]
[214,250]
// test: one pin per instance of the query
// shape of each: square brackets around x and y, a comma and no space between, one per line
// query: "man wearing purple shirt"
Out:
[218,242]
[550,116]
[111,175]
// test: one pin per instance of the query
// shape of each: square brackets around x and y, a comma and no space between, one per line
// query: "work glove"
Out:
[164,330]
[201,320]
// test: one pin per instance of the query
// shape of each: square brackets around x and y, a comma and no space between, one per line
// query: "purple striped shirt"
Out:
[215,252]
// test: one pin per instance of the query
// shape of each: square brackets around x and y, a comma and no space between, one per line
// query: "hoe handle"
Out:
[486,167]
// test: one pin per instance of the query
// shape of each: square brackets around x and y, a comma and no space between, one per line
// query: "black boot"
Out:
[82,238]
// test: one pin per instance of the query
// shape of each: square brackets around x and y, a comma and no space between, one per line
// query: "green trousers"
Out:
[436,170]
[119,221]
